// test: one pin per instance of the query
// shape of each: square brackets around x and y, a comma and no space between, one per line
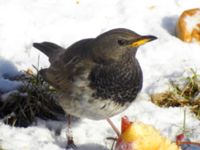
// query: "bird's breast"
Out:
[102,92]
[82,102]
[119,83]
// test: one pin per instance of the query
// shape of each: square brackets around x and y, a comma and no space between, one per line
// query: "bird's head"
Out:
[114,44]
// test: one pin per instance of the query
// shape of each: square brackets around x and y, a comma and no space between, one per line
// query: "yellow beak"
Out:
[142,40]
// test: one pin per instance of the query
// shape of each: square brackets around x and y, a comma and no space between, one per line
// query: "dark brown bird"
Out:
[96,78]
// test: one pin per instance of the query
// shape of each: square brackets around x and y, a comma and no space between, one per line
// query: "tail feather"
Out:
[48,48]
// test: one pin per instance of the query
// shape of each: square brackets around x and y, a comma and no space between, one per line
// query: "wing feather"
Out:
[66,65]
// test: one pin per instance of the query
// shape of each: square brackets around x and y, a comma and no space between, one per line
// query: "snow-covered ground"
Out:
[23,22]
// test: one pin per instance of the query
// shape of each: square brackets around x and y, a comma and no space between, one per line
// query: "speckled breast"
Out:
[98,95]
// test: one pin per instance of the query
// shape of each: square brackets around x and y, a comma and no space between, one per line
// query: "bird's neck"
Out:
[128,59]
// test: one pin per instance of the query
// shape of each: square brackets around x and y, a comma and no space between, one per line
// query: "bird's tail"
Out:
[48,48]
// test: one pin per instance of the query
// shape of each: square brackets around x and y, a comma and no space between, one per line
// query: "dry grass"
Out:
[179,95]
[34,99]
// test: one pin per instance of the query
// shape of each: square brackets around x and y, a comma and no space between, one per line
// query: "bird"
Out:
[96,78]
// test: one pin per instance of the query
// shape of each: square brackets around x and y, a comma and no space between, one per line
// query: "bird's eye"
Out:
[122,42]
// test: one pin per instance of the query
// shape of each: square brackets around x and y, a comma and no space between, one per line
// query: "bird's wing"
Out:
[65,64]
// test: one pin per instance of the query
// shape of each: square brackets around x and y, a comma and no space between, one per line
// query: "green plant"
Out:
[186,93]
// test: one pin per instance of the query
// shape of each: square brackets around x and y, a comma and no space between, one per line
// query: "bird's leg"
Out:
[113,126]
[116,131]
[70,141]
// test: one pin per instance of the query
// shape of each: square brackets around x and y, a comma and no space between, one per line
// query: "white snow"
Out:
[8,69]
[192,21]
[23,22]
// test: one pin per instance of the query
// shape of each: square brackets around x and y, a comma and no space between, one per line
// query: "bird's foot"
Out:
[70,144]
[114,139]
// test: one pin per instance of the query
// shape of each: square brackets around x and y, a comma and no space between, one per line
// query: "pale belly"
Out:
[85,106]
[82,104]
